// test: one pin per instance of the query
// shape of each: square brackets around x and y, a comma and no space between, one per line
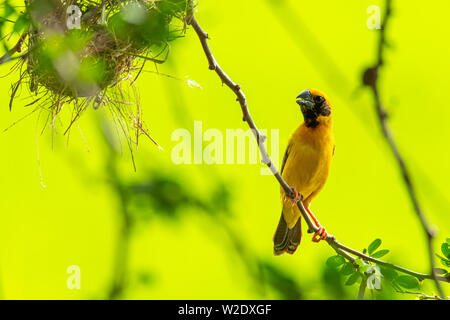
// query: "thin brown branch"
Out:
[341,249]
[370,79]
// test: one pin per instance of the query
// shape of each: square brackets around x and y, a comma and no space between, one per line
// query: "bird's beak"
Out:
[305,99]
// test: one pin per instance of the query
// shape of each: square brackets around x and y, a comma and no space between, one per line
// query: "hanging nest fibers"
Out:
[89,53]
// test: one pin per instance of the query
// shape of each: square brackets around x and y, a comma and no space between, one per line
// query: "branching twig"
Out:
[370,79]
[331,240]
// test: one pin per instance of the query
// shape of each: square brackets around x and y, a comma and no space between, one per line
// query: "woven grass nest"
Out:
[90,52]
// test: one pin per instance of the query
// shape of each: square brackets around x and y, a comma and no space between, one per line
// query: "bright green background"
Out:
[274,50]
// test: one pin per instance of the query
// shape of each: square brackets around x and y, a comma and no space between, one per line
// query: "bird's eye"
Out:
[319,99]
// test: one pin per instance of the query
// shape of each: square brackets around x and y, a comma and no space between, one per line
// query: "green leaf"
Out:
[335,261]
[445,248]
[347,269]
[380,253]
[21,24]
[447,241]
[352,279]
[396,287]
[9,10]
[440,271]
[374,245]
[407,282]
[388,272]
[444,261]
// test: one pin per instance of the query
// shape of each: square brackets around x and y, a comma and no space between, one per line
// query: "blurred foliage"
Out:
[202,231]
[164,195]
[134,24]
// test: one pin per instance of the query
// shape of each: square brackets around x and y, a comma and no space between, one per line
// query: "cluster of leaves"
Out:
[375,276]
[444,258]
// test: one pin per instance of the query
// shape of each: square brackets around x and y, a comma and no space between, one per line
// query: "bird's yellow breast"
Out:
[308,164]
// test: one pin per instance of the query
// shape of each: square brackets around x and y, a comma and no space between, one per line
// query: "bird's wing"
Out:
[285,157]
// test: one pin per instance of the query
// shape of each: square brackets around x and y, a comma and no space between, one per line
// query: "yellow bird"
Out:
[306,165]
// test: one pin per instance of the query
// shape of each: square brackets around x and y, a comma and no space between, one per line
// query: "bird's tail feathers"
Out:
[285,238]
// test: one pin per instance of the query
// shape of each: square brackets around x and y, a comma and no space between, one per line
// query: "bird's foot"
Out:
[297,197]
[321,234]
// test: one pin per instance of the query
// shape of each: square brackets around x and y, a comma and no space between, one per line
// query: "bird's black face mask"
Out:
[312,107]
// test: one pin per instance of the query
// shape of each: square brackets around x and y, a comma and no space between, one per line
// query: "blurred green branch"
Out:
[341,249]
[122,249]
[370,79]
